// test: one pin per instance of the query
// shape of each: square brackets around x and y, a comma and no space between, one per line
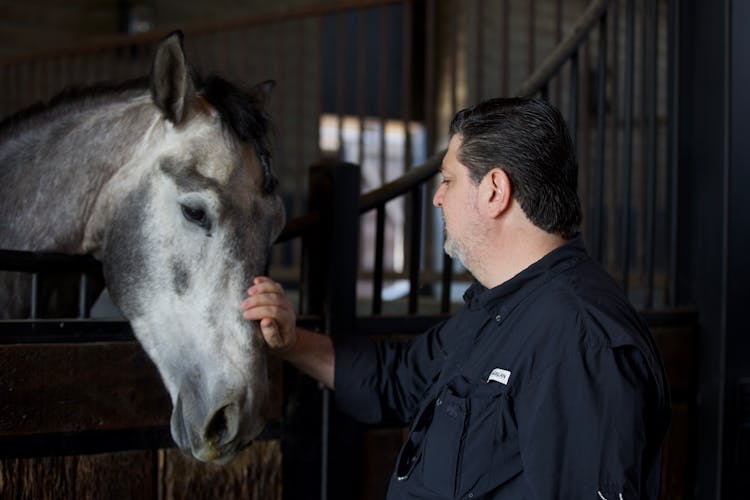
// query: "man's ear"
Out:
[497,191]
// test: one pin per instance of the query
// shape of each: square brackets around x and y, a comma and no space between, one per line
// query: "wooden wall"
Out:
[90,420]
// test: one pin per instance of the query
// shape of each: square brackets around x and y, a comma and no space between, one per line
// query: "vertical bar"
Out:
[506,49]
[319,62]
[325,425]
[558,38]
[415,247]
[650,244]
[613,158]
[479,59]
[673,55]
[429,94]
[383,94]
[340,80]
[598,191]
[301,66]
[34,309]
[407,82]
[453,56]
[377,273]
[361,82]
[83,293]
[530,41]
[573,119]
[627,142]
[585,138]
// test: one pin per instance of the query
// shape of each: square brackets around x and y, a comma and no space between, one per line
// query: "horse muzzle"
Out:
[213,432]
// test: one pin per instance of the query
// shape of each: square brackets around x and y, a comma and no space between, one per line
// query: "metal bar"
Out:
[614,130]
[627,143]
[564,50]
[34,295]
[340,81]
[377,275]
[479,59]
[83,294]
[453,37]
[361,82]
[383,89]
[429,94]
[650,243]
[415,247]
[406,86]
[558,39]
[505,65]
[22,261]
[325,423]
[530,32]
[574,81]
[402,185]
[282,13]
[598,192]
[673,87]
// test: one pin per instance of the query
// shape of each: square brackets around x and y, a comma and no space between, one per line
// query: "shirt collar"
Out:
[501,299]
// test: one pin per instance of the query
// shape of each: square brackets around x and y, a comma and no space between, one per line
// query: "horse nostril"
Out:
[222,427]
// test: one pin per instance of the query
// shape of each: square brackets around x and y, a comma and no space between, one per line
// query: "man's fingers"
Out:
[260,312]
[261,284]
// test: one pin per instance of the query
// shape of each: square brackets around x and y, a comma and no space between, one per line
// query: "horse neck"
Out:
[53,168]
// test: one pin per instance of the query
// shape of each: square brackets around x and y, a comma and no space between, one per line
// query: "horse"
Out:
[167,180]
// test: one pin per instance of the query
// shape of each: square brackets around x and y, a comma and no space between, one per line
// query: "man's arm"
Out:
[310,352]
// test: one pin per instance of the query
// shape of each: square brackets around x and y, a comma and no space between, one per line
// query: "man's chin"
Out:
[453,250]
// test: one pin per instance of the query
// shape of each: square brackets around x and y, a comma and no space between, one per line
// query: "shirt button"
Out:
[498,318]
[471,495]
[438,402]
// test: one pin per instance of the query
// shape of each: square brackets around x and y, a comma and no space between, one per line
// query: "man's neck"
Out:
[514,249]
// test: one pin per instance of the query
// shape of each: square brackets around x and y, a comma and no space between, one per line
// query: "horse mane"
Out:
[243,112]
[69,96]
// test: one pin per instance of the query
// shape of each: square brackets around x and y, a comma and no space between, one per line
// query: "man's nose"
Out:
[437,198]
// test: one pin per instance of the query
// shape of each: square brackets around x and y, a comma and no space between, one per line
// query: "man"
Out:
[546,384]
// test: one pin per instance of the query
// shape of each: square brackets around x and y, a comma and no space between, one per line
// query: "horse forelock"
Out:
[245,115]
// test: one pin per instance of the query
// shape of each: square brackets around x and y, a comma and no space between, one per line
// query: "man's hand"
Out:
[268,304]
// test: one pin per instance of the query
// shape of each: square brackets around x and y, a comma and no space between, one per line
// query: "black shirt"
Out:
[546,386]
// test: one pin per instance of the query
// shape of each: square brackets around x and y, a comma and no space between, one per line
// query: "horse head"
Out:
[181,230]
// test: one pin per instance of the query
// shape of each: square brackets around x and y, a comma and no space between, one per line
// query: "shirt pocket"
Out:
[471,445]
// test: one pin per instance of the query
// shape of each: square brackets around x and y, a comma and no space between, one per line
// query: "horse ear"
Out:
[171,83]
[263,91]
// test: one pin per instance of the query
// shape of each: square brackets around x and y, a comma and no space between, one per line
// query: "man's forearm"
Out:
[313,354]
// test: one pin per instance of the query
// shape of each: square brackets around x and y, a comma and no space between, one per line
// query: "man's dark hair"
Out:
[529,140]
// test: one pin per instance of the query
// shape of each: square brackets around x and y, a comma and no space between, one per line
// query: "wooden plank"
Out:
[75,387]
[116,475]
[254,474]
[84,398]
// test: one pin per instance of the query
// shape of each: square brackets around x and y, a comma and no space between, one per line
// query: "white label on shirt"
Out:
[499,375]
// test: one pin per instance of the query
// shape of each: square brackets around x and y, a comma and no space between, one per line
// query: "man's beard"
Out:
[454,249]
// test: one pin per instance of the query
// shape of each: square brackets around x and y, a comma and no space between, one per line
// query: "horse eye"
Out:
[195,215]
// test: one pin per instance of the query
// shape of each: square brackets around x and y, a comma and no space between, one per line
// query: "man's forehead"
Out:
[450,159]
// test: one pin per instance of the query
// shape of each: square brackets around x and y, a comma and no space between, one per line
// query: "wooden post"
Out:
[319,464]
